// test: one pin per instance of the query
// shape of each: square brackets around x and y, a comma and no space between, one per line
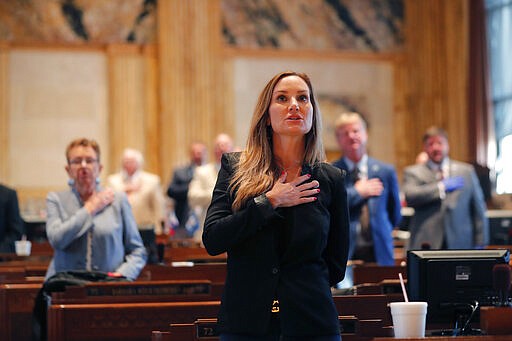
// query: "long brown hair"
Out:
[257,170]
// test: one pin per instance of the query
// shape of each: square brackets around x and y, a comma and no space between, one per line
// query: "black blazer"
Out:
[11,225]
[178,190]
[292,254]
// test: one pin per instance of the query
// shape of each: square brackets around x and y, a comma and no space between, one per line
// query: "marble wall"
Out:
[157,60]
[356,25]
[359,25]
[54,97]
[78,21]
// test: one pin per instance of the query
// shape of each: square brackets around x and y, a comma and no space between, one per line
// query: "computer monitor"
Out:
[500,227]
[451,281]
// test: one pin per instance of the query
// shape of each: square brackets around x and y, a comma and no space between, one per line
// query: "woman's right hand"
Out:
[296,192]
[99,201]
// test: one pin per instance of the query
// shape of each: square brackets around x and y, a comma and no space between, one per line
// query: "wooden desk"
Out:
[450,338]
[351,330]
[385,287]
[125,321]
[496,320]
[138,292]
[185,249]
[16,306]
[12,273]
[374,273]
[367,307]
[195,254]
[214,272]
[200,329]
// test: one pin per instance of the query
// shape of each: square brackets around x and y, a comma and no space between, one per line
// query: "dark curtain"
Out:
[481,120]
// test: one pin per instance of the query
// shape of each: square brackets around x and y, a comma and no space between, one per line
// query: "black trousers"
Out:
[149,241]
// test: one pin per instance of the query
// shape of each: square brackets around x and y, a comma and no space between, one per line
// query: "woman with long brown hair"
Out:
[280,212]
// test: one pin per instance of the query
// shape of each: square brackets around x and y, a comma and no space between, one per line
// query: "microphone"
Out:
[501,283]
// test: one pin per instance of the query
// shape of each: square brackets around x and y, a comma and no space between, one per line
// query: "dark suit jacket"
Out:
[11,225]
[292,254]
[384,210]
[459,219]
[178,190]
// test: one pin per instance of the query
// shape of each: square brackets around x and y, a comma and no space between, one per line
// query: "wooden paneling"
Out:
[133,103]
[151,108]
[435,78]
[163,97]
[191,78]
[4,113]
[405,151]
[126,101]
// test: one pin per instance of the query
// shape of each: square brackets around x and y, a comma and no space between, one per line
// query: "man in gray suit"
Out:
[447,199]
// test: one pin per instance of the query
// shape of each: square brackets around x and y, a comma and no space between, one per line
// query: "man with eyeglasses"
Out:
[89,227]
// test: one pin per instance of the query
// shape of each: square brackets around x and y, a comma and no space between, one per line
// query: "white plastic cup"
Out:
[409,318]
[23,247]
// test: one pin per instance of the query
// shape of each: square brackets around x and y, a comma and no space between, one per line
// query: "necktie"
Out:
[364,217]
[364,220]
[354,174]
[439,173]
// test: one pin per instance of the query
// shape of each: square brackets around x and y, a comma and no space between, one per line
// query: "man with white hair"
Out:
[373,195]
[145,196]
[203,182]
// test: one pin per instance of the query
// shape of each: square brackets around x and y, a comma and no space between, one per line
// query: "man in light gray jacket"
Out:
[449,207]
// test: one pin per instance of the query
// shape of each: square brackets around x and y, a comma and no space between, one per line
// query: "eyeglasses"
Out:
[89,161]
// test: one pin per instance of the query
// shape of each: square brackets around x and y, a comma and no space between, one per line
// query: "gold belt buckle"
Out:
[275,306]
